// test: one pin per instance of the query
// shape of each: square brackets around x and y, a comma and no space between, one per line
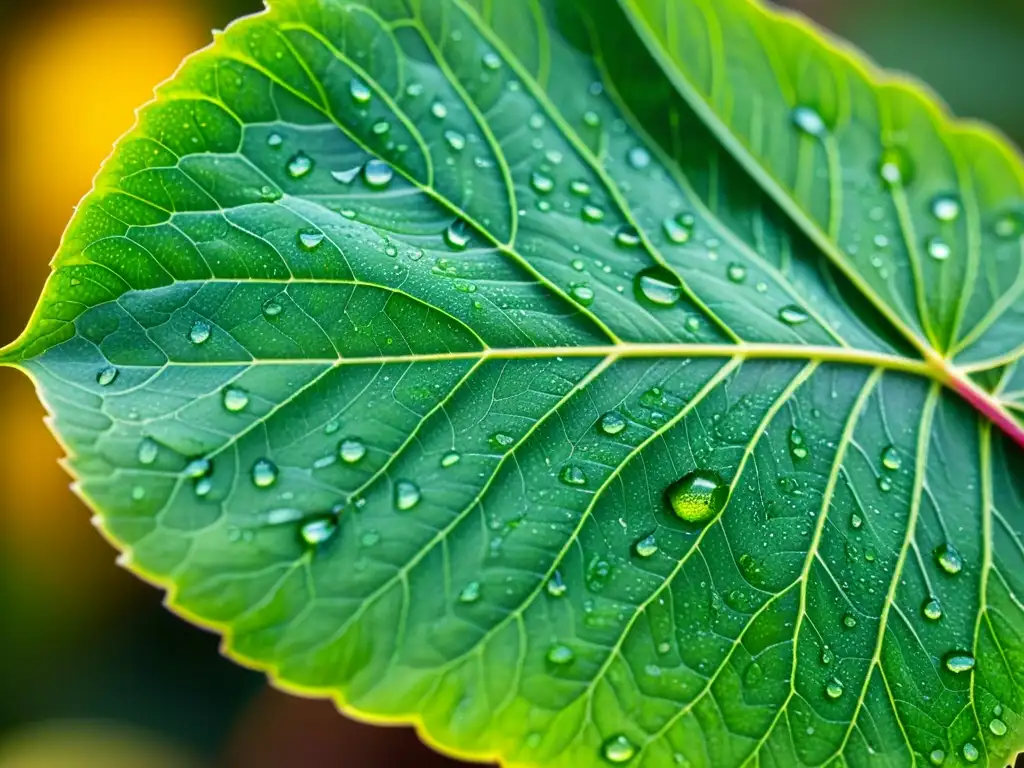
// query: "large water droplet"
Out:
[583,294]
[971,753]
[959,662]
[997,726]
[200,332]
[198,468]
[361,93]
[627,236]
[300,165]
[808,121]
[439,110]
[450,459]
[318,530]
[407,495]
[592,213]
[658,287]
[646,547]
[834,688]
[618,749]
[736,273]
[572,474]
[697,496]
[457,235]
[235,399]
[148,451]
[937,757]
[946,208]
[949,559]
[310,240]
[106,376]
[678,229]
[849,621]
[275,140]
[272,308]
[541,183]
[351,450]
[932,609]
[264,473]
[560,655]
[377,173]
[891,458]
[938,248]
[470,593]
[793,315]
[579,188]
[612,423]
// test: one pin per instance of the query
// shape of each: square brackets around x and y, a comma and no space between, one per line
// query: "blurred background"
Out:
[93,671]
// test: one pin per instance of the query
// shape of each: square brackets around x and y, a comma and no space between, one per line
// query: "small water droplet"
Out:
[896,167]
[627,236]
[583,294]
[275,140]
[370,539]
[106,376]
[834,688]
[793,315]
[407,495]
[457,235]
[946,208]
[361,93]
[560,655]
[949,559]
[849,621]
[856,521]
[318,530]
[612,423]
[470,593]
[591,119]
[891,458]
[450,459]
[347,176]
[971,753]
[646,546]
[541,183]
[592,213]
[938,248]
[264,473]
[959,662]
[937,757]
[300,165]
[198,468]
[618,749]
[491,61]
[439,110]
[199,333]
[500,441]
[932,609]
[571,474]
[380,127]
[1009,226]
[272,308]
[827,656]
[310,240]
[455,140]
[697,496]
[638,158]
[884,484]
[203,486]
[736,273]
[351,450]
[808,121]
[997,726]
[377,173]
[658,287]
[797,444]
[556,587]
[579,188]
[148,451]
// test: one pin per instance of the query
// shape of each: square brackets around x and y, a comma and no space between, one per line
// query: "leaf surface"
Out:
[471,364]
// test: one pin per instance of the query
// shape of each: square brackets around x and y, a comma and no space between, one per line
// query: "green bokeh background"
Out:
[93,670]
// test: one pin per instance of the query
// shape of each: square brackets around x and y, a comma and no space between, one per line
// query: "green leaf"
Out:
[473,365]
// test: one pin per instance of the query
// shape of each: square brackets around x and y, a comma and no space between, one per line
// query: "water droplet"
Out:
[198,468]
[199,333]
[310,240]
[891,458]
[377,173]
[737,273]
[541,183]
[932,609]
[592,213]
[627,236]
[573,475]
[697,496]
[971,753]
[646,546]
[500,441]
[997,726]
[827,656]
[560,655]
[381,127]
[639,158]
[1009,226]
[959,662]
[370,539]
[849,621]
[949,559]
[856,521]
[455,140]
[264,473]
[946,208]
[361,93]
[808,121]
[618,749]
[275,140]
[272,308]
[347,176]
[300,165]
[318,530]
[797,444]
[556,587]
[937,757]
[834,688]
[657,286]
[793,315]
[579,188]
[457,235]
[583,294]
[407,495]
[450,459]
[148,451]
[591,119]
[351,450]
[896,167]
[470,593]
[612,423]
[203,486]
[106,376]
[938,248]
[492,61]
[884,484]
[439,110]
